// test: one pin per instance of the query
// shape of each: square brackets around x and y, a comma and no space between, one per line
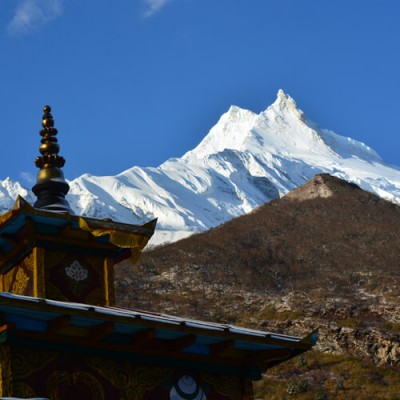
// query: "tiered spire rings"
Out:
[51,187]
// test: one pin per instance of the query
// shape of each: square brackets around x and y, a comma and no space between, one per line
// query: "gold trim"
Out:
[22,390]
[133,380]
[30,262]
[21,282]
[39,272]
[127,240]
[25,362]
[230,386]
[106,289]
[70,379]
[109,281]
[5,371]
[35,272]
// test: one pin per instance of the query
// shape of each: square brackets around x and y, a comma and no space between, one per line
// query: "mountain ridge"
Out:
[244,161]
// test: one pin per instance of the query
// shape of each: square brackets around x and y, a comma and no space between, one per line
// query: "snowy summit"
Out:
[244,161]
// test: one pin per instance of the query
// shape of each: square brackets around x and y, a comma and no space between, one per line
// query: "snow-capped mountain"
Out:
[9,191]
[245,160]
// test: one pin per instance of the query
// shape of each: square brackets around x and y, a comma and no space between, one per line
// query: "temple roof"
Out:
[145,336]
[25,226]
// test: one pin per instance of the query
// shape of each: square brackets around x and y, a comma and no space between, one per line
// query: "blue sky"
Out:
[135,82]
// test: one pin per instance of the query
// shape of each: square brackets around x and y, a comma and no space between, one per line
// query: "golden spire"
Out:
[51,187]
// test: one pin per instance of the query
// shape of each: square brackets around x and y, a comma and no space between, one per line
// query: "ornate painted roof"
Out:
[145,336]
[25,226]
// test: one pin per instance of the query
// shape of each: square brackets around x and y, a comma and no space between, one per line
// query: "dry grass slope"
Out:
[327,255]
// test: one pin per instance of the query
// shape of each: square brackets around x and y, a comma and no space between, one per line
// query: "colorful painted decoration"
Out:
[186,389]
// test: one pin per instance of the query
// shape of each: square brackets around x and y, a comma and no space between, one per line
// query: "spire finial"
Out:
[51,187]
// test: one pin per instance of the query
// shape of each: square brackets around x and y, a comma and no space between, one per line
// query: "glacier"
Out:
[245,160]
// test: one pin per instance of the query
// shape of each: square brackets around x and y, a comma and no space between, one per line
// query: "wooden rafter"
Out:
[100,331]
[143,338]
[58,324]
[164,351]
[180,343]
[222,347]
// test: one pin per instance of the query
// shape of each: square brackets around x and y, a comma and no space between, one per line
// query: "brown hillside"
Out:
[327,254]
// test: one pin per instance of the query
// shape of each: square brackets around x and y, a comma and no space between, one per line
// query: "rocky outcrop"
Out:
[321,186]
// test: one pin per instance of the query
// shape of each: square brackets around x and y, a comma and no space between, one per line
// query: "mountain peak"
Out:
[236,113]
[236,129]
[284,103]
[281,96]
[230,132]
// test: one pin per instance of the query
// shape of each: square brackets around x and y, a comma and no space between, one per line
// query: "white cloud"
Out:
[154,6]
[31,15]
